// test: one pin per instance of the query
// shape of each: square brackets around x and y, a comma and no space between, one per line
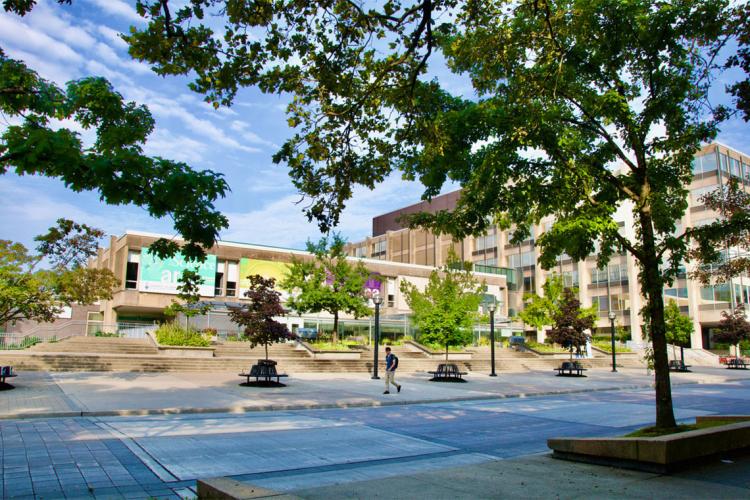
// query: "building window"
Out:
[698,193]
[704,164]
[523,260]
[378,249]
[233,274]
[131,272]
[487,242]
[219,278]
[601,302]
[94,322]
[570,278]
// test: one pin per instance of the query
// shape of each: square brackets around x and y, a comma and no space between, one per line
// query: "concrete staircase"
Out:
[99,345]
[113,354]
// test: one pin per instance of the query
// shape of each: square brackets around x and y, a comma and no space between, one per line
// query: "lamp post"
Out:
[377,299]
[612,325]
[492,337]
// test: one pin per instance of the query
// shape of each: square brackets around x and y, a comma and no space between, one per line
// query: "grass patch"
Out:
[329,346]
[654,432]
[607,346]
[548,348]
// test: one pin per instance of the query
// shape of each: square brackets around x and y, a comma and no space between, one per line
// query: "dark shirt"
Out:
[389,362]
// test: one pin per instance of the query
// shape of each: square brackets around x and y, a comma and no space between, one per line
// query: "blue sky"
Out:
[68,42]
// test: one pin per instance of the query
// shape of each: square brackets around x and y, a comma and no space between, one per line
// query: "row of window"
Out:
[732,166]
[615,273]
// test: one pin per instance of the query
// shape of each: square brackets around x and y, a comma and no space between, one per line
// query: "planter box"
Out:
[186,351]
[315,354]
[658,454]
[452,356]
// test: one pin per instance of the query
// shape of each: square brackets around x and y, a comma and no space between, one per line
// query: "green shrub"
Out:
[173,334]
[99,333]
[606,345]
[441,348]
[330,346]
[549,348]
[25,343]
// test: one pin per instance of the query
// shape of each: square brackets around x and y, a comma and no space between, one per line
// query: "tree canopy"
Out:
[188,291]
[114,165]
[540,310]
[258,313]
[29,293]
[445,311]
[328,282]
[576,110]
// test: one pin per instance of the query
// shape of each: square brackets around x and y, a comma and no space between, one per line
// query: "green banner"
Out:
[162,275]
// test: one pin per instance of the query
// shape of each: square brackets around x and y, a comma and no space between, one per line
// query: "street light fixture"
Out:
[491,307]
[377,300]
[612,317]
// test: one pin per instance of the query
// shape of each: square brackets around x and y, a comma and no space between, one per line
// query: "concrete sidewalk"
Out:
[58,394]
[541,476]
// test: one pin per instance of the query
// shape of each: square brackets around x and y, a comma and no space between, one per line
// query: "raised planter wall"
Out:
[452,356]
[657,454]
[186,351]
[344,355]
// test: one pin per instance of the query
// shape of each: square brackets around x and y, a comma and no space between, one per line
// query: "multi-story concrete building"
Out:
[149,285]
[615,288]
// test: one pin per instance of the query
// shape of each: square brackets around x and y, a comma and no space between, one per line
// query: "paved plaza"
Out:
[130,435]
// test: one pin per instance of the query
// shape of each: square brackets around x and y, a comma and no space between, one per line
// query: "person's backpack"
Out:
[395,362]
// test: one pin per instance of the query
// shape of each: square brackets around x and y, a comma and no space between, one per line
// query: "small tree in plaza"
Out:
[571,323]
[189,294]
[733,328]
[445,310]
[257,315]
[539,310]
[329,282]
[679,326]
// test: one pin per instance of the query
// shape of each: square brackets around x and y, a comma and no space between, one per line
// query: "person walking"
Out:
[391,363]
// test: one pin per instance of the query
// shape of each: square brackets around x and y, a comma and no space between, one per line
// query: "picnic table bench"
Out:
[677,365]
[448,371]
[6,372]
[736,364]
[568,367]
[265,369]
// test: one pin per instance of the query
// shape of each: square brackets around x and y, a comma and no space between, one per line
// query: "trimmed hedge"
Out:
[173,334]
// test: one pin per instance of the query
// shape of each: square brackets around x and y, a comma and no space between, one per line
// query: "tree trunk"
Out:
[266,346]
[653,289]
[335,338]
[446,352]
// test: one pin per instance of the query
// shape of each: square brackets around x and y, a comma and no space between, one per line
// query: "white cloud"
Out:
[282,223]
[17,33]
[113,36]
[118,8]
[244,131]
[175,147]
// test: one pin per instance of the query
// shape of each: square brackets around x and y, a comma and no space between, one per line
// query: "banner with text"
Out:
[162,275]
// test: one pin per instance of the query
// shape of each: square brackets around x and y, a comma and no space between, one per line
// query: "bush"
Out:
[606,345]
[106,334]
[546,347]
[330,346]
[26,342]
[173,334]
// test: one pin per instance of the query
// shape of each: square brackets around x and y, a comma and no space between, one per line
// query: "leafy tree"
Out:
[28,293]
[741,59]
[563,92]
[114,165]
[328,282]
[539,310]
[679,327]
[571,323]
[257,316]
[733,328]
[189,294]
[726,234]
[444,312]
